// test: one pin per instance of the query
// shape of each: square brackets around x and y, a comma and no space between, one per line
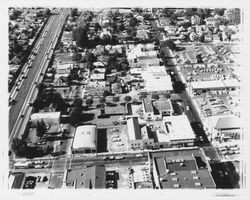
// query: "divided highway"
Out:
[25,91]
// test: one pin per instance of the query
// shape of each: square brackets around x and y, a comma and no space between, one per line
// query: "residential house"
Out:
[142,34]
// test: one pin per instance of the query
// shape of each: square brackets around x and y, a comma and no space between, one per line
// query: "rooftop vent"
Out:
[176,185]
[193,172]
[173,174]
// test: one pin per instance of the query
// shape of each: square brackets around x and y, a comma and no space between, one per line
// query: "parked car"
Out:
[115,122]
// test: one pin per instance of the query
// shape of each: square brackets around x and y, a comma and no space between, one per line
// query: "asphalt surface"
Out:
[21,96]
[60,165]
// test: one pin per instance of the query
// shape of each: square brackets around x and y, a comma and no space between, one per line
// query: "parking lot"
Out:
[217,105]
[202,72]
[36,180]
[132,175]
[56,180]
[230,149]
[117,139]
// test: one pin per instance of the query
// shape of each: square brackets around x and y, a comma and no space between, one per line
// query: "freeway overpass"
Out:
[26,91]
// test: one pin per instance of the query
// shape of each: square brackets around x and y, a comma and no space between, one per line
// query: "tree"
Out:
[167,95]
[116,99]
[80,36]
[106,39]
[114,26]
[49,149]
[57,99]
[122,27]
[201,38]
[167,12]
[77,102]
[73,12]
[16,46]
[127,99]
[155,96]
[187,25]
[14,15]
[90,57]
[171,45]
[75,116]
[190,11]
[147,16]
[47,12]
[89,101]
[133,22]
[19,146]
[219,11]
[76,57]
[106,93]
[102,100]
[40,129]
[97,27]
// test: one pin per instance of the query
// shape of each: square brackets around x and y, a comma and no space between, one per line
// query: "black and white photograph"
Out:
[120,97]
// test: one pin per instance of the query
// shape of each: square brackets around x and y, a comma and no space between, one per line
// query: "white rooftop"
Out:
[179,127]
[207,84]
[85,137]
[157,81]
[45,115]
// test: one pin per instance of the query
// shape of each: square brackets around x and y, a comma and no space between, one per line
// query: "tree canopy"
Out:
[76,57]
[80,36]
[133,22]
[127,98]
[41,128]
[19,146]
[73,12]
[77,102]
[75,116]
[89,102]
[155,96]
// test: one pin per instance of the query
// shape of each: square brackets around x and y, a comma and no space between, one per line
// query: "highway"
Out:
[19,112]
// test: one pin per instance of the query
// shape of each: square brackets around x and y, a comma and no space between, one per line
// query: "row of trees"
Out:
[21,149]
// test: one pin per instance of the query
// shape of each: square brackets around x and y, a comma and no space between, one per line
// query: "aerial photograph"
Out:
[124,98]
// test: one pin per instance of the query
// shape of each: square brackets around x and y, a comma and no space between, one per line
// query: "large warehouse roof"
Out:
[85,137]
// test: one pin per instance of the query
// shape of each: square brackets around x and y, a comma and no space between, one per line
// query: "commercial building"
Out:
[182,168]
[155,110]
[228,127]
[63,70]
[163,80]
[16,180]
[138,136]
[93,177]
[180,134]
[204,86]
[85,139]
[47,117]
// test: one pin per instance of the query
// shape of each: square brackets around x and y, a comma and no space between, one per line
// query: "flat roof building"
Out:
[183,168]
[157,82]
[179,133]
[85,139]
[138,136]
[47,117]
[93,177]
[16,180]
